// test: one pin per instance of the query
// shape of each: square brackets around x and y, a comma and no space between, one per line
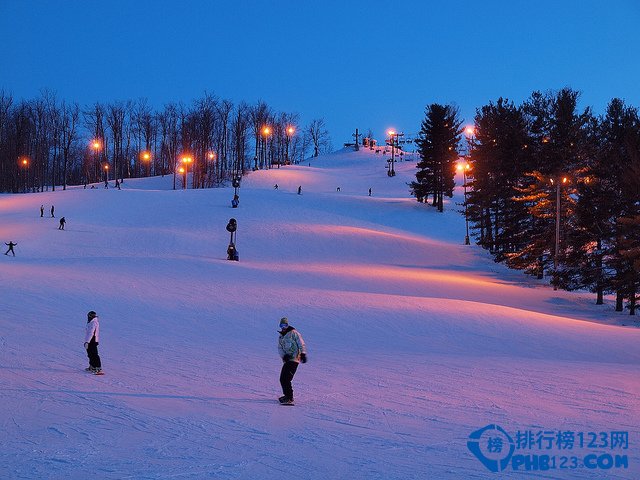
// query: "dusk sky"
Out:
[356,64]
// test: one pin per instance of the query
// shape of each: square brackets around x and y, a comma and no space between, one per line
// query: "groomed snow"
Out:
[415,340]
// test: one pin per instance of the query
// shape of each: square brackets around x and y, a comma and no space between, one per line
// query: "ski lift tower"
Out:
[393,141]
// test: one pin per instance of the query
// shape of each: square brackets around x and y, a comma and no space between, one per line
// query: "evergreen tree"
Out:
[438,149]
[560,140]
[499,159]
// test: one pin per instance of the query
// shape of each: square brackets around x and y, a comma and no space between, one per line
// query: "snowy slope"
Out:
[414,339]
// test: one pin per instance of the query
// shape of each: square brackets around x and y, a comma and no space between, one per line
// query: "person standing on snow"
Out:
[41,211]
[292,350]
[62,222]
[10,249]
[91,340]
[52,209]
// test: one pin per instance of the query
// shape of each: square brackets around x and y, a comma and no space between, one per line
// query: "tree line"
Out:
[47,143]
[554,190]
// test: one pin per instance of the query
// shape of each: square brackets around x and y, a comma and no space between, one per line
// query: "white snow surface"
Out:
[415,340]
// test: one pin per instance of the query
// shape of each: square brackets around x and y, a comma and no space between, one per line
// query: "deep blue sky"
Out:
[365,64]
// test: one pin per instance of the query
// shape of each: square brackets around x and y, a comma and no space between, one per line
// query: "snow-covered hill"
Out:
[415,340]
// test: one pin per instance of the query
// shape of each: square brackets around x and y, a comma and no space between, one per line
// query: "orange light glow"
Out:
[266,131]
[181,170]
[95,145]
[25,162]
[106,167]
[187,159]
[290,130]
[470,131]
[565,180]
[391,133]
[146,155]
[211,155]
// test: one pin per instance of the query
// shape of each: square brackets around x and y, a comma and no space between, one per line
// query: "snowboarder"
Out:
[91,341]
[300,190]
[41,211]
[10,245]
[292,350]
[62,222]
[52,209]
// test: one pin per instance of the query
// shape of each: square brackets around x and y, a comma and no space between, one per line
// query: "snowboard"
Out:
[94,373]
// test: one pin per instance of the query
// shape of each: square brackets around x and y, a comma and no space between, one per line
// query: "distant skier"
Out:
[275,187]
[41,211]
[292,350]
[10,245]
[337,189]
[91,341]
[52,209]
[106,184]
[300,190]
[369,191]
[232,253]
[62,222]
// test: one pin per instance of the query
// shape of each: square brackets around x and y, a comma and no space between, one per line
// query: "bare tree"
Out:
[69,116]
[319,136]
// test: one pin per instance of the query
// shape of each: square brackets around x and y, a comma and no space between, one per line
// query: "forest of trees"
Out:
[555,191]
[47,143]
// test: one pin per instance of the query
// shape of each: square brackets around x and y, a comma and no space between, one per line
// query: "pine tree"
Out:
[559,141]
[499,159]
[438,149]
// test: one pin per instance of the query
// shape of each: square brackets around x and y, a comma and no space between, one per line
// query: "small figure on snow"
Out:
[41,211]
[62,222]
[10,249]
[235,202]
[292,350]
[52,209]
[337,189]
[91,341]
[369,191]
[300,190]
[275,187]
[117,184]
[232,253]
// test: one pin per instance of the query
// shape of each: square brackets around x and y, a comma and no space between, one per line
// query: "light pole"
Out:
[146,158]
[106,176]
[464,168]
[184,177]
[266,131]
[290,132]
[95,146]
[24,162]
[556,254]
[186,160]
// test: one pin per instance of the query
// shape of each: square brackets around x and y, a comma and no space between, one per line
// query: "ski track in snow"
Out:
[414,340]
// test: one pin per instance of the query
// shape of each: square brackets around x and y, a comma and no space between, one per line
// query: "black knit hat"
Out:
[91,315]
